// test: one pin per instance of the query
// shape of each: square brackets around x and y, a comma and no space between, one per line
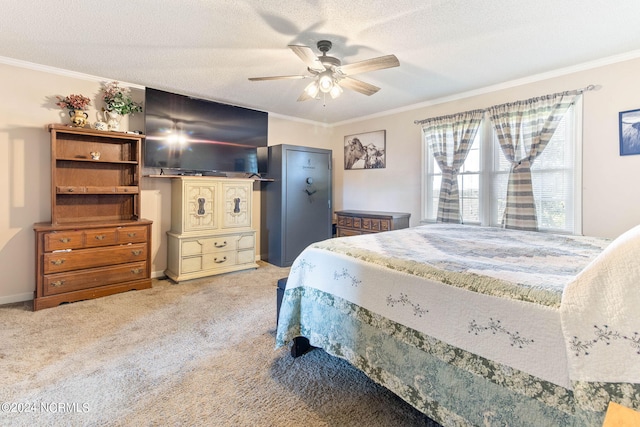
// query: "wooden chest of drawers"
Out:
[95,260]
[351,223]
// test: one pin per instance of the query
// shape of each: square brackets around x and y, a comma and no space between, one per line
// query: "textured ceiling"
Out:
[209,48]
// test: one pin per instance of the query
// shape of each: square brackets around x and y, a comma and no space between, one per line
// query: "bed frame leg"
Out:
[300,346]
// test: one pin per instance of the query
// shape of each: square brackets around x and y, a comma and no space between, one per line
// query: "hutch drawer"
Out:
[63,240]
[56,262]
[91,278]
[132,234]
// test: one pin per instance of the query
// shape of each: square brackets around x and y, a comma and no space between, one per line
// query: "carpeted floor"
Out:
[196,353]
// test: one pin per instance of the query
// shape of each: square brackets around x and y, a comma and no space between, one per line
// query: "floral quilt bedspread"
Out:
[533,267]
[482,308]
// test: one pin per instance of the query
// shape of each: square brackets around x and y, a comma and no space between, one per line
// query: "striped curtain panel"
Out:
[524,129]
[449,139]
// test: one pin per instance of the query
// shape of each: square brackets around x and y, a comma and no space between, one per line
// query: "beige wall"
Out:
[27,105]
[27,97]
[611,197]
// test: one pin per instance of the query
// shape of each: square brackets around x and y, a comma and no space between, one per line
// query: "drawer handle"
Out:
[70,190]
[136,252]
[57,283]
[216,260]
[100,237]
[58,261]
[131,234]
[136,270]
[220,246]
[65,239]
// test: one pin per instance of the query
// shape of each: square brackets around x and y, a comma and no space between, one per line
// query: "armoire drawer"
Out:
[217,261]
[210,261]
[57,262]
[209,245]
[215,244]
[94,277]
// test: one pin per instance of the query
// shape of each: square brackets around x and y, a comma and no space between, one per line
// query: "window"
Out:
[483,179]
[468,185]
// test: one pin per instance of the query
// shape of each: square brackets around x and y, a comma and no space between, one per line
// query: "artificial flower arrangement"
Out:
[118,99]
[73,102]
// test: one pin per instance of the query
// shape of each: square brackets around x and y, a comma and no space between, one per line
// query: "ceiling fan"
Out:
[330,76]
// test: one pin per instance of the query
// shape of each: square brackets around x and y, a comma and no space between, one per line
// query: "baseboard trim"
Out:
[10,299]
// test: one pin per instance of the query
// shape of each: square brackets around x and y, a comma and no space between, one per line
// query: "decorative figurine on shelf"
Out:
[117,103]
[76,104]
[100,124]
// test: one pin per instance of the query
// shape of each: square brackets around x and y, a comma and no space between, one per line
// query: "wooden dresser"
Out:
[211,227]
[96,243]
[351,223]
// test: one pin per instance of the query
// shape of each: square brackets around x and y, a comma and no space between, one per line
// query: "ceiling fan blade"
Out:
[308,57]
[255,79]
[367,65]
[358,86]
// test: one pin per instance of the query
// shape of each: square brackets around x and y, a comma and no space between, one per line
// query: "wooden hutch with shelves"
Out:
[96,243]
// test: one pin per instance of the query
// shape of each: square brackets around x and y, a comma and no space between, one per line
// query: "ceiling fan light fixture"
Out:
[325,81]
[335,91]
[312,89]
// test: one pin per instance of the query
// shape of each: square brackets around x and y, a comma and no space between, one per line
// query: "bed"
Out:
[477,325]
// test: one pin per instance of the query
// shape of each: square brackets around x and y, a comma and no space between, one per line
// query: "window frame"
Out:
[486,174]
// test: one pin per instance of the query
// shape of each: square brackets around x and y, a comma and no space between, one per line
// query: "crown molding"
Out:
[61,72]
[505,85]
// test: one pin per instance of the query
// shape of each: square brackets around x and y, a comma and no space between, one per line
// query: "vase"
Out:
[78,118]
[113,120]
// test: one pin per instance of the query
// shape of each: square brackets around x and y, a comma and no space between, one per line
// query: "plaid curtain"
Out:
[450,139]
[526,126]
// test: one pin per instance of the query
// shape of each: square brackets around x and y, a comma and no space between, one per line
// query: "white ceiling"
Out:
[209,48]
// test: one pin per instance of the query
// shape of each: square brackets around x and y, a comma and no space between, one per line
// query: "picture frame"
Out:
[365,150]
[629,122]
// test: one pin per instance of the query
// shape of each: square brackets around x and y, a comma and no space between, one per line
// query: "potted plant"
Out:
[117,103]
[76,104]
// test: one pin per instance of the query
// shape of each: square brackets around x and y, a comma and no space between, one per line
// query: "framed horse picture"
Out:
[365,150]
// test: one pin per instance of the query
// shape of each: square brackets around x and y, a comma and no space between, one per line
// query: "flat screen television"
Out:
[196,136]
